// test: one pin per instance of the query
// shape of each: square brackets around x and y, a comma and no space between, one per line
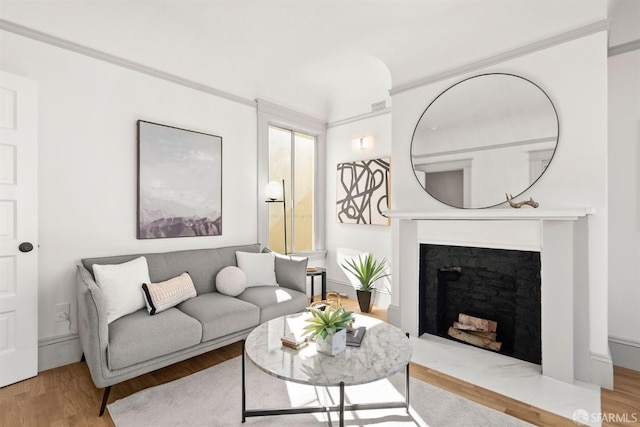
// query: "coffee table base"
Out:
[341,408]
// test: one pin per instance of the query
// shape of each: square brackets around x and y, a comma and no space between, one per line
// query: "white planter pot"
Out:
[332,344]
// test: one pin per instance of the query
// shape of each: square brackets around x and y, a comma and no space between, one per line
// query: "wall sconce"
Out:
[361,143]
[274,191]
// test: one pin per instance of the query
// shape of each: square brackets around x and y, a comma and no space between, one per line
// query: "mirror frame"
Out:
[557,120]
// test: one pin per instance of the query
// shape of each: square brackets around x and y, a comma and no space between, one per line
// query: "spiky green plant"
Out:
[326,322]
[367,270]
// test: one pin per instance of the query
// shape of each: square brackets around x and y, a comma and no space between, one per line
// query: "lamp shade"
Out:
[273,190]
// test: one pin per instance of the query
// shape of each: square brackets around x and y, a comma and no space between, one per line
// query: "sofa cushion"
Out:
[274,301]
[221,314]
[163,295]
[260,268]
[231,281]
[138,337]
[121,285]
[202,264]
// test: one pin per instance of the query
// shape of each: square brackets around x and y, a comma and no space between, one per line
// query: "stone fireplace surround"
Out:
[559,236]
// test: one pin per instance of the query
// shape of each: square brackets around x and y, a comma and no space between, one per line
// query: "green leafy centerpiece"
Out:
[329,328]
[367,270]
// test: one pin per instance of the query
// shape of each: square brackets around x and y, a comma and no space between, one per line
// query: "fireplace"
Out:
[496,284]
[573,333]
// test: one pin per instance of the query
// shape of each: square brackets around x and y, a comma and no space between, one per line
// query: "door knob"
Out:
[25,247]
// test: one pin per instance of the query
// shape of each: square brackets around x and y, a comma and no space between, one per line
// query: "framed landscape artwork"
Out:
[179,182]
[363,191]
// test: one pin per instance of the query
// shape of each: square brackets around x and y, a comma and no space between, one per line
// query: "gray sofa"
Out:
[138,343]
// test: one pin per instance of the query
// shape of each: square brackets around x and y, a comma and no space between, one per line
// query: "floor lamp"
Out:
[274,191]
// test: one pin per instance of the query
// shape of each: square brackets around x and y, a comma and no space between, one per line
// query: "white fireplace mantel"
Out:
[558,234]
[521,214]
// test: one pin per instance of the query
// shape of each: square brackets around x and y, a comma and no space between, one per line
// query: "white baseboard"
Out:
[343,287]
[393,315]
[601,370]
[625,352]
[58,351]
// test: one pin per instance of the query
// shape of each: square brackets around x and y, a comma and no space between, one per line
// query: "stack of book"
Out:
[354,336]
[294,342]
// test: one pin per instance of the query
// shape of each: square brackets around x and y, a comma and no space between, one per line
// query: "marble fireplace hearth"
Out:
[517,379]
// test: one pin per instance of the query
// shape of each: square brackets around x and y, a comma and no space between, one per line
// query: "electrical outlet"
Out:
[62,312]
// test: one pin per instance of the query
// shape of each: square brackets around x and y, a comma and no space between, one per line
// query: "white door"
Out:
[18,229]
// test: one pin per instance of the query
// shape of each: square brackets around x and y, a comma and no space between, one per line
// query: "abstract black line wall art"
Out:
[179,182]
[363,191]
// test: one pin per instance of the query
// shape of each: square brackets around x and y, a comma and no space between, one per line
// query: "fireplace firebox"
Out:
[496,284]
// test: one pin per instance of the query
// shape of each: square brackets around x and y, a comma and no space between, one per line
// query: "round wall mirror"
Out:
[482,138]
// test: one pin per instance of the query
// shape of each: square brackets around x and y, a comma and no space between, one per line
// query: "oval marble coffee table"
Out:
[384,351]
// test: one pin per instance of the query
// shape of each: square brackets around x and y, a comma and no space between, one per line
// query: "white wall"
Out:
[88,163]
[624,215]
[367,238]
[574,75]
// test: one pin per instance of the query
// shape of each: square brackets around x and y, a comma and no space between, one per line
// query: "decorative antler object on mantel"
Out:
[518,205]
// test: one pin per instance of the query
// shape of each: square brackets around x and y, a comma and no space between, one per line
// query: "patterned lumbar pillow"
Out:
[163,295]
[120,284]
[231,281]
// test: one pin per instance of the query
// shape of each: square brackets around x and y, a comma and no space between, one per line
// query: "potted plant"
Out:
[329,328]
[367,270]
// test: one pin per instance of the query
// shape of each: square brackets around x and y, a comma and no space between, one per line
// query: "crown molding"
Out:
[359,117]
[52,40]
[290,116]
[558,39]
[624,48]
[119,61]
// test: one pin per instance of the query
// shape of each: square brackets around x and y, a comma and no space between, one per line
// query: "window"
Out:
[291,147]
[292,159]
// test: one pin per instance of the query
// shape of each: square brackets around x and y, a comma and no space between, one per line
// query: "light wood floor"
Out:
[66,396]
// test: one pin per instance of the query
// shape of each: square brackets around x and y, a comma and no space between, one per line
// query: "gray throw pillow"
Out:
[291,272]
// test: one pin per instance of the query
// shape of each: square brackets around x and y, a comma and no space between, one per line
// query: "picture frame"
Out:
[179,182]
[362,192]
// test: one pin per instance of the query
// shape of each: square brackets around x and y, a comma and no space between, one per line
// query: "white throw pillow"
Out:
[231,281]
[121,285]
[260,268]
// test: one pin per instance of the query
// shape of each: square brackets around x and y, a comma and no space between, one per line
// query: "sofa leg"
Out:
[105,397]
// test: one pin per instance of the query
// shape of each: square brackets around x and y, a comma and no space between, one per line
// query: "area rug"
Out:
[213,397]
